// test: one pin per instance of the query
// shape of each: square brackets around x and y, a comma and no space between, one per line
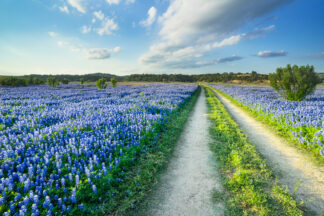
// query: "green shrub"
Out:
[82,81]
[65,81]
[294,83]
[113,82]
[52,81]
[12,81]
[101,83]
[34,81]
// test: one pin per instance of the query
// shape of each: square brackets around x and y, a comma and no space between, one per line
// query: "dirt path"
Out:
[289,161]
[187,185]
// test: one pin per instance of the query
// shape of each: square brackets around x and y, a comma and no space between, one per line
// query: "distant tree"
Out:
[82,81]
[52,81]
[294,83]
[113,82]
[254,76]
[101,83]
[34,81]
[65,81]
[30,80]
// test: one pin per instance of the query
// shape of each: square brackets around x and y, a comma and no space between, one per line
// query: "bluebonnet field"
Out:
[63,148]
[304,121]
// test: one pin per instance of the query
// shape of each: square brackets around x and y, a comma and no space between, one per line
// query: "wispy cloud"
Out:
[113,1]
[151,17]
[116,2]
[162,54]
[130,1]
[316,55]
[64,9]
[78,4]
[52,34]
[107,27]
[98,53]
[190,28]
[229,59]
[85,29]
[74,45]
[270,54]
[117,49]
[99,15]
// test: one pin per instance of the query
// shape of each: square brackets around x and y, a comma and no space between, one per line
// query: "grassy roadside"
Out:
[281,130]
[130,194]
[251,188]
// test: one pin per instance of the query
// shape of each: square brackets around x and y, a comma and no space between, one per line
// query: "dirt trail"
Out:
[288,160]
[187,185]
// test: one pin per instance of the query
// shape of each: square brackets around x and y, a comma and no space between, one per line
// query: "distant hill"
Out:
[74,78]
[213,77]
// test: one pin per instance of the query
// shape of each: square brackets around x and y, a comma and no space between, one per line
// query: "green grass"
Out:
[129,195]
[250,185]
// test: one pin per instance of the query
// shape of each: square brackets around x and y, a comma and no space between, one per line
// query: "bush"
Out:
[113,82]
[65,81]
[294,83]
[52,81]
[81,81]
[34,81]
[12,81]
[101,83]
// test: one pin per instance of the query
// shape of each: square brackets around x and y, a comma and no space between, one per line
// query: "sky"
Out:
[159,36]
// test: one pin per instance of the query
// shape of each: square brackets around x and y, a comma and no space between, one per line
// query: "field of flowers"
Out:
[63,149]
[301,121]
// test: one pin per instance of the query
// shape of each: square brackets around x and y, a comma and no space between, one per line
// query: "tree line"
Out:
[216,77]
[65,79]
[35,79]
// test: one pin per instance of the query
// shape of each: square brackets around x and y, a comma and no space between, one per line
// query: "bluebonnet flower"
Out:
[73,196]
[292,115]
[94,188]
[81,206]
[73,131]
[47,202]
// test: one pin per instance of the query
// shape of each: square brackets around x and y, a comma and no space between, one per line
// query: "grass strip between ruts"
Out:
[141,179]
[251,187]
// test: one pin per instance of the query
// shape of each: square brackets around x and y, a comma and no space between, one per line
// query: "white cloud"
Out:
[151,17]
[178,55]
[77,4]
[98,53]
[316,55]
[85,29]
[64,9]
[62,43]
[93,20]
[117,49]
[73,45]
[110,2]
[269,54]
[52,34]
[107,26]
[190,28]
[235,39]
[130,1]
[99,15]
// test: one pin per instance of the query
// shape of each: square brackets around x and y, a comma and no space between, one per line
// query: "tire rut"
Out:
[293,166]
[186,186]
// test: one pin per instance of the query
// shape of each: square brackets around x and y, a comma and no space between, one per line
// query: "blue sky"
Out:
[160,36]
